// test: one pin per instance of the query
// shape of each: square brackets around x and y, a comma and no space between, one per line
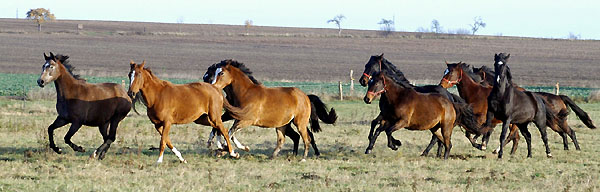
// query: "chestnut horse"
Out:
[103,105]
[418,111]
[267,107]
[165,106]
[512,106]
[319,111]
[474,93]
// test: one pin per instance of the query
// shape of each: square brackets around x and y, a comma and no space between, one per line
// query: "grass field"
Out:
[26,164]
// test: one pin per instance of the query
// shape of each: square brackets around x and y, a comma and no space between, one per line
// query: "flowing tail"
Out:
[466,118]
[583,116]
[319,111]
[236,112]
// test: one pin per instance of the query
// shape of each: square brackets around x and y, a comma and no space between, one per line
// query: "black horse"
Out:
[81,103]
[378,63]
[319,111]
[512,106]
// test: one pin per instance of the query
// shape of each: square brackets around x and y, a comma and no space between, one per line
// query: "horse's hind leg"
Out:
[564,139]
[72,130]
[312,143]
[525,132]
[574,138]
[542,127]
[110,138]
[433,141]
[289,131]
[280,141]
[56,124]
[104,132]
[570,132]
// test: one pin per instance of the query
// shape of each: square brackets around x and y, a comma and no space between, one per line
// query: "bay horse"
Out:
[464,77]
[378,63]
[512,106]
[268,107]
[80,103]
[418,111]
[318,111]
[165,106]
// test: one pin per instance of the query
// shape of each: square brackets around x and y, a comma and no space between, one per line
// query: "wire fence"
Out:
[20,85]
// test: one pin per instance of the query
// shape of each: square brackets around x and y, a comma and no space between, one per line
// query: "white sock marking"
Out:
[160,158]
[177,153]
[219,145]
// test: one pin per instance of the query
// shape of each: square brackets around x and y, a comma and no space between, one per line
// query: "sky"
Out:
[528,18]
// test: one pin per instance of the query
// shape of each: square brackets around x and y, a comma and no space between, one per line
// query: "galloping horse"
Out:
[165,106]
[276,107]
[560,105]
[319,111]
[81,103]
[463,76]
[474,93]
[378,63]
[418,111]
[512,106]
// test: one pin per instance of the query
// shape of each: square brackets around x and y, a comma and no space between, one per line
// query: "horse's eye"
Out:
[220,73]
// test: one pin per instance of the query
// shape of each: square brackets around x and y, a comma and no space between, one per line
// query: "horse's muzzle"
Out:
[367,99]
[40,82]
[131,94]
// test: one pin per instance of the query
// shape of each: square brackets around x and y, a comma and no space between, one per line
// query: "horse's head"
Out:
[373,66]
[209,75]
[136,78]
[222,75]
[376,87]
[50,70]
[502,71]
[452,75]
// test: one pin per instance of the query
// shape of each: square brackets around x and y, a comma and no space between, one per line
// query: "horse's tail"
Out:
[583,116]
[236,112]
[465,117]
[319,111]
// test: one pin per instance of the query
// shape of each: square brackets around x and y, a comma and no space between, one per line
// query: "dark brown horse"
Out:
[476,94]
[512,106]
[418,111]
[103,105]
[165,106]
[318,111]
[275,107]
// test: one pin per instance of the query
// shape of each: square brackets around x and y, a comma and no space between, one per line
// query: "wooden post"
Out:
[123,83]
[351,82]
[557,88]
[341,92]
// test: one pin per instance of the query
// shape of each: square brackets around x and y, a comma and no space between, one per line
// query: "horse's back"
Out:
[184,103]
[96,104]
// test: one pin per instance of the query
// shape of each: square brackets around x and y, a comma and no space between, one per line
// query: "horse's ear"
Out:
[495,55]
[52,56]
[143,63]
[381,55]
[507,56]
[46,56]
[132,64]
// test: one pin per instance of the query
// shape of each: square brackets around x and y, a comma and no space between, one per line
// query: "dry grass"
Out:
[296,54]
[27,165]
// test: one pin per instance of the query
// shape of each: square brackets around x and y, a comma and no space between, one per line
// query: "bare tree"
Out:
[247,24]
[436,27]
[574,36]
[387,26]
[39,16]
[180,22]
[477,24]
[338,21]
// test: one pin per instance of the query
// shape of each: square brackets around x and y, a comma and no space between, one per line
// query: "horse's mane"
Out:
[396,74]
[489,73]
[400,80]
[467,69]
[240,66]
[64,60]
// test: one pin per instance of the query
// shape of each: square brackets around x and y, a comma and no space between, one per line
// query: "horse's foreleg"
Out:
[503,135]
[525,132]
[72,130]
[280,140]
[234,129]
[289,131]
[433,141]
[58,122]
[375,135]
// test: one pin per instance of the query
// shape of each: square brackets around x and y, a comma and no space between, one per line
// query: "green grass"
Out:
[26,164]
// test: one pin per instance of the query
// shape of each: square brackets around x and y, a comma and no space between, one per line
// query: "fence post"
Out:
[351,82]
[123,83]
[557,88]
[341,92]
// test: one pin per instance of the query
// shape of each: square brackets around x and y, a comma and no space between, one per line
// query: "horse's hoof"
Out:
[57,150]
[208,144]
[235,155]
[246,149]
[495,152]
[483,147]
[184,161]
[93,155]
[303,160]
[368,151]
[549,155]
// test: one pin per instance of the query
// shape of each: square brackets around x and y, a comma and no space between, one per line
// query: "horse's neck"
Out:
[240,85]
[394,91]
[467,86]
[151,89]
[64,84]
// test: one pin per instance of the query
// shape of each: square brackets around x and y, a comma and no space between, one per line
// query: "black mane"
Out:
[64,60]
[240,66]
[400,80]
[396,74]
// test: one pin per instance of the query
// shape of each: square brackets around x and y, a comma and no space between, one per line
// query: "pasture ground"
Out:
[26,164]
